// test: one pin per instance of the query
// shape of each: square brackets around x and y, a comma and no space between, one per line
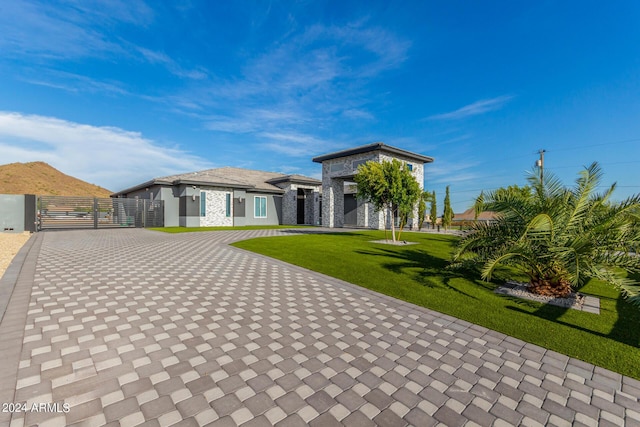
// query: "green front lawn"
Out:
[244,227]
[418,274]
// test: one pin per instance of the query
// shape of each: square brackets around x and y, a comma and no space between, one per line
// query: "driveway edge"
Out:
[15,293]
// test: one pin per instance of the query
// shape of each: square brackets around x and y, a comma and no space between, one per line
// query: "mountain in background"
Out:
[39,178]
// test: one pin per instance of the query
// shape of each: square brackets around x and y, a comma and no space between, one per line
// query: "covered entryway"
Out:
[300,206]
[340,167]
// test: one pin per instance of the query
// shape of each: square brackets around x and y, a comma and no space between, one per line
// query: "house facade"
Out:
[235,197]
[232,197]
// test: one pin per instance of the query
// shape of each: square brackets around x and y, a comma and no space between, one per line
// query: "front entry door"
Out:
[350,210]
[301,200]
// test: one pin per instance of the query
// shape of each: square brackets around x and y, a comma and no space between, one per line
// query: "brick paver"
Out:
[134,326]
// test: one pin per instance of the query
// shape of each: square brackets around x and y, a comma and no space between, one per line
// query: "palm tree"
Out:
[559,237]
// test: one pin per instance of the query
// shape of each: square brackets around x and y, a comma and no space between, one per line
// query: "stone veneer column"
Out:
[338,206]
[376,218]
[414,219]
[316,207]
[290,205]
[327,201]
[362,213]
[332,202]
[310,206]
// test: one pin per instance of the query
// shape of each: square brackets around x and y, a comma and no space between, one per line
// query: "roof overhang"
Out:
[141,186]
[198,183]
[376,146]
[295,180]
[210,183]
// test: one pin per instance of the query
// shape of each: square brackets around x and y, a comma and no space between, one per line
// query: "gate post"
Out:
[144,212]
[95,213]
[38,213]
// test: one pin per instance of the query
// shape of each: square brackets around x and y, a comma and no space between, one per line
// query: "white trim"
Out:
[255,199]
[228,197]
[203,199]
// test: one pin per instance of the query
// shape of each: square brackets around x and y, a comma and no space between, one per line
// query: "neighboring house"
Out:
[469,216]
[232,197]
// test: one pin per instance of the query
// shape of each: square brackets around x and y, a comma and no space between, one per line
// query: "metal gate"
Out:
[64,212]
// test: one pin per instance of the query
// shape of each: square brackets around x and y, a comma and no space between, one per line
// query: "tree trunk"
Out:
[557,287]
[393,226]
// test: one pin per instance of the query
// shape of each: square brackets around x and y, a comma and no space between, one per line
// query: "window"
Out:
[409,166]
[203,203]
[260,207]
[227,205]
[358,163]
[336,167]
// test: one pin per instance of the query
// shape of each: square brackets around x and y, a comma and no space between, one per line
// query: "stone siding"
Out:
[216,208]
[336,171]
[290,204]
[312,206]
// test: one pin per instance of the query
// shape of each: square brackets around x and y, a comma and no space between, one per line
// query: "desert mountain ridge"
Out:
[40,178]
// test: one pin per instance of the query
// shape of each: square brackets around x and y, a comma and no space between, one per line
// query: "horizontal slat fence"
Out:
[66,212]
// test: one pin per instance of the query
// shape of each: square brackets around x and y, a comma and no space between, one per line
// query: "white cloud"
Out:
[170,64]
[444,171]
[474,109]
[66,31]
[83,29]
[295,144]
[107,156]
[460,138]
[357,114]
[303,84]
[71,82]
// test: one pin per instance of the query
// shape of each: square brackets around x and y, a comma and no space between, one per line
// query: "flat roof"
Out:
[376,146]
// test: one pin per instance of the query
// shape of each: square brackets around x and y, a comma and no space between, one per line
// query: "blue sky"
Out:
[117,92]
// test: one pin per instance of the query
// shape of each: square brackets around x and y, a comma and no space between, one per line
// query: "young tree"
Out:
[560,237]
[389,186]
[425,197]
[433,212]
[447,215]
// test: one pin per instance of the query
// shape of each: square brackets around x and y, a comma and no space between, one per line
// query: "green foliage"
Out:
[447,215]
[425,197]
[559,237]
[402,222]
[430,198]
[433,212]
[512,190]
[389,186]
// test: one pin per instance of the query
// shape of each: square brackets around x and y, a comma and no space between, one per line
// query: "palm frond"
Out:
[629,288]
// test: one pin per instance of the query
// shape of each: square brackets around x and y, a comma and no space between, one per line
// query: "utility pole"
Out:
[540,163]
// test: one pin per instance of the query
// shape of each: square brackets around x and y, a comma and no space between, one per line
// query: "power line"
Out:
[541,164]
[602,164]
[596,145]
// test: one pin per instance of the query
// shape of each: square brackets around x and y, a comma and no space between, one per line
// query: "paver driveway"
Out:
[132,326]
